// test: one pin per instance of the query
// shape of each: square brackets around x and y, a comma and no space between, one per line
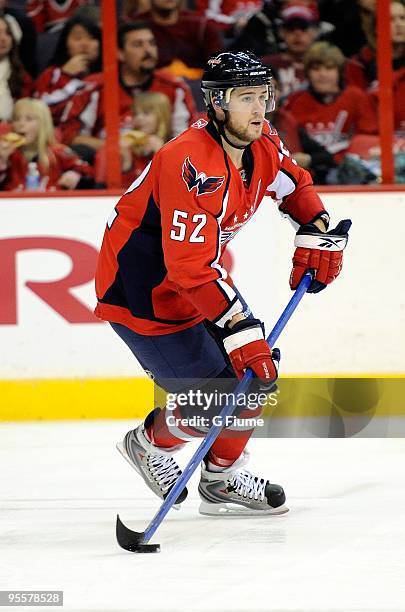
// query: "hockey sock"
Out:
[230,443]
[166,428]
[157,430]
[225,450]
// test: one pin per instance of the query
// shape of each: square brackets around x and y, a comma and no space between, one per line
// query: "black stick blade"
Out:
[132,540]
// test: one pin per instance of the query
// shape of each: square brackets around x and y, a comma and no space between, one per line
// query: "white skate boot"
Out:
[156,466]
[237,492]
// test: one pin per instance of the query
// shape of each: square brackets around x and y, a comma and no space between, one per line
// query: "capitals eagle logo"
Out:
[199,180]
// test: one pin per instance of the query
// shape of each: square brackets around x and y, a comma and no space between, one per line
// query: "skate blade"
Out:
[121,449]
[229,510]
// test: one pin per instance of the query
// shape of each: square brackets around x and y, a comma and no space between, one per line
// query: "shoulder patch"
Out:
[199,124]
[199,181]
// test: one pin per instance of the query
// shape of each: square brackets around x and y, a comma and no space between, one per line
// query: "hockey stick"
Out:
[138,541]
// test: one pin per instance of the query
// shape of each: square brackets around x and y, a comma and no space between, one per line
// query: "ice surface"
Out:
[341,548]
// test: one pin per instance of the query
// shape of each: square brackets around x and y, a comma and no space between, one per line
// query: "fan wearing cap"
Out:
[162,284]
[298,30]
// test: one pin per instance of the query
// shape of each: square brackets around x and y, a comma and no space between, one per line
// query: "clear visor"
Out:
[261,94]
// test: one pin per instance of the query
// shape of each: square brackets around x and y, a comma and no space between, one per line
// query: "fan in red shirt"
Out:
[83,119]
[361,69]
[57,165]
[298,30]
[399,103]
[77,55]
[185,39]
[330,112]
[398,90]
[161,282]
[51,14]
[306,151]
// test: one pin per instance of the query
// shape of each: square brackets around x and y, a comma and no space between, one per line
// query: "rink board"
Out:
[59,361]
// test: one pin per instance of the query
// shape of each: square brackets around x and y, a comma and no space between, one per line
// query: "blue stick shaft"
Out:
[225,412]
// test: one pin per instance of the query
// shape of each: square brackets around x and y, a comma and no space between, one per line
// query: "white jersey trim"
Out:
[63,93]
[236,308]
[215,263]
[139,179]
[282,185]
[181,115]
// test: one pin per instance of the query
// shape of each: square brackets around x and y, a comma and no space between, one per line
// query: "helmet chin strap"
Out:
[221,129]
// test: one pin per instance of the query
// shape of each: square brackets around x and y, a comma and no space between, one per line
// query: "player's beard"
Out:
[243,134]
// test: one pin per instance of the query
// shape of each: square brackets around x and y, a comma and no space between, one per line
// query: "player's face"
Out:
[80,41]
[6,41]
[140,51]
[247,108]
[324,78]
[26,123]
[146,121]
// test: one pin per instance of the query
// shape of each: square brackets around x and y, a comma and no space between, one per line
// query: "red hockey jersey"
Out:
[159,269]
[333,123]
[84,113]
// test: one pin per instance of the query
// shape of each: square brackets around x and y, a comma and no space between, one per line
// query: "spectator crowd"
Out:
[322,54]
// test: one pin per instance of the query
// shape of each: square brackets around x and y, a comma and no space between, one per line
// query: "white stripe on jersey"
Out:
[89,116]
[282,185]
[236,308]
[180,115]
[215,263]
[63,93]
[139,179]
[214,12]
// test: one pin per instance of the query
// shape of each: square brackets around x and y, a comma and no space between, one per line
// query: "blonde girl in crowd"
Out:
[30,157]
[152,128]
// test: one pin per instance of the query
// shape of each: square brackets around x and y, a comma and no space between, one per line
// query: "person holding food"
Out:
[30,148]
[77,55]
[152,123]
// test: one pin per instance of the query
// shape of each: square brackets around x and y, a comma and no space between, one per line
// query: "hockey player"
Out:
[161,283]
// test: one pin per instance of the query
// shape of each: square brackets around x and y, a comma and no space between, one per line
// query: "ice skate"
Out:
[237,492]
[156,466]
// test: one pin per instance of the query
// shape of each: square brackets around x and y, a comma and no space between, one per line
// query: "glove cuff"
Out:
[321,242]
[243,337]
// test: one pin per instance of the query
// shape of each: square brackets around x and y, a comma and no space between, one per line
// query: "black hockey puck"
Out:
[147,548]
